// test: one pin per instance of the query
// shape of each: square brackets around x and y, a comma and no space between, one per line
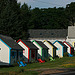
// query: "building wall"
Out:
[4,53]
[25,52]
[68,49]
[50,50]
[59,51]
[71,31]
[51,40]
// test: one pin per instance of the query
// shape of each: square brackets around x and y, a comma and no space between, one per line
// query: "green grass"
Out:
[66,62]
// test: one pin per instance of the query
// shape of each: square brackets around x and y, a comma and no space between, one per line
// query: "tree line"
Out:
[16,19]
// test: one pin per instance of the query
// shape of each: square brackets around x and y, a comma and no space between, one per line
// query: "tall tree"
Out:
[70,10]
[11,22]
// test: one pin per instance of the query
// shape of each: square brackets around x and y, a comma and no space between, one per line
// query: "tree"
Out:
[11,20]
[70,10]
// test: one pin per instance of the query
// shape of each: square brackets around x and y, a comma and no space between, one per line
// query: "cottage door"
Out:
[33,54]
[17,55]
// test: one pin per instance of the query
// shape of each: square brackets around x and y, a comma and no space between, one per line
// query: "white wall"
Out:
[58,52]
[51,40]
[25,55]
[4,53]
[49,50]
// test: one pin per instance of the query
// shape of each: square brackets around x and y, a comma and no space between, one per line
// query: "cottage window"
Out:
[0,48]
[40,33]
[13,54]
[52,34]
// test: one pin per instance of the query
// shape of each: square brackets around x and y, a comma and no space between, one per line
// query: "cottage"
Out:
[51,50]
[30,50]
[10,51]
[61,48]
[48,34]
[70,48]
[42,49]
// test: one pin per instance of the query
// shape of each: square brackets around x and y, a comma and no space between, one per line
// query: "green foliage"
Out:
[12,21]
[15,20]
[70,10]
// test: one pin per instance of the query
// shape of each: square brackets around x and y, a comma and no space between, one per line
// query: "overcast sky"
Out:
[46,3]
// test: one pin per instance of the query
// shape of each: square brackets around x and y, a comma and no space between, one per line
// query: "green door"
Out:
[45,53]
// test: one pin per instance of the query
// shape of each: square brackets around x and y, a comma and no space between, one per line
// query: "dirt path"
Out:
[45,71]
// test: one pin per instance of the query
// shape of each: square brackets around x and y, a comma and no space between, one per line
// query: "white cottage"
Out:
[70,48]
[61,48]
[30,50]
[42,49]
[10,51]
[51,48]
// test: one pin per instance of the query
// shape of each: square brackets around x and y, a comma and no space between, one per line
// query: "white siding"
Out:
[51,40]
[49,50]
[68,49]
[58,52]
[4,53]
[25,55]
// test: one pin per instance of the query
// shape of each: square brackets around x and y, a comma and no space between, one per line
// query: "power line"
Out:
[47,2]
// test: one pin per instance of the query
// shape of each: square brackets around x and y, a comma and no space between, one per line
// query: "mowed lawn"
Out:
[66,62]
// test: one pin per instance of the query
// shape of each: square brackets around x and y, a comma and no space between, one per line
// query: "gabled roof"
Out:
[10,42]
[52,44]
[41,44]
[60,43]
[68,44]
[48,33]
[29,44]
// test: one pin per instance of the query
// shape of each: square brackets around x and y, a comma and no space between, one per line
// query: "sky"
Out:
[46,3]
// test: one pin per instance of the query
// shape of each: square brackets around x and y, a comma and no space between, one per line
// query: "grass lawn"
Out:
[66,62]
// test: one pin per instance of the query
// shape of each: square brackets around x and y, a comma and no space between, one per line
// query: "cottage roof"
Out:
[41,44]
[29,44]
[10,42]
[69,44]
[62,43]
[48,33]
[52,44]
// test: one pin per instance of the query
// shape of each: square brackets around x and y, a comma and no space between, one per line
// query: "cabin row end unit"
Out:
[10,51]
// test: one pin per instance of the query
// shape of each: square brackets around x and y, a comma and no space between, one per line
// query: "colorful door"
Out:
[33,54]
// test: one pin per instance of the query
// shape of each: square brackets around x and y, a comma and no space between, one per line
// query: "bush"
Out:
[65,54]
